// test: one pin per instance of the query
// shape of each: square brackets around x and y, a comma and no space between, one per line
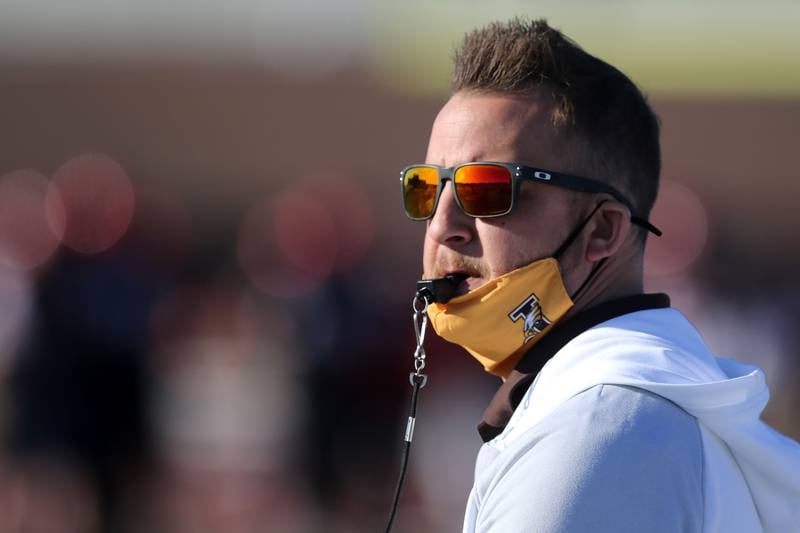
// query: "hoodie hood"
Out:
[661,352]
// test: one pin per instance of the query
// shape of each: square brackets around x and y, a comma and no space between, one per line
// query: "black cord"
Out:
[417,382]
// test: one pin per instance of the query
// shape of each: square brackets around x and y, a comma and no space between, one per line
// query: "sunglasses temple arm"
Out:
[641,222]
[646,225]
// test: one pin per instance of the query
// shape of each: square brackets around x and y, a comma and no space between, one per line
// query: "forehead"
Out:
[494,127]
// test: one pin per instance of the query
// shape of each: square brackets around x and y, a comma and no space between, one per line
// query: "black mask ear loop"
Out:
[577,231]
[571,239]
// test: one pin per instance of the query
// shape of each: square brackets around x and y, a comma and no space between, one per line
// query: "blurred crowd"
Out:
[156,379]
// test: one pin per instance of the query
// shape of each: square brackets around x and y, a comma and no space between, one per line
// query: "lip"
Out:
[472,283]
[469,283]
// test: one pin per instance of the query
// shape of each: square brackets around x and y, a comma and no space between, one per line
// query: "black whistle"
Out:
[440,290]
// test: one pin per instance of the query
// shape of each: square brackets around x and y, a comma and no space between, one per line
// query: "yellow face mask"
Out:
[499,321]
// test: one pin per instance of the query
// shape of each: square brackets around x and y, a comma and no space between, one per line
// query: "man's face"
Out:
[490,127]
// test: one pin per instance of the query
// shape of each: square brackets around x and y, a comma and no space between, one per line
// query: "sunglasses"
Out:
[487,189]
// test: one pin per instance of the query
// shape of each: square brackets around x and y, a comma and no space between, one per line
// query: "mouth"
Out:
[465,281]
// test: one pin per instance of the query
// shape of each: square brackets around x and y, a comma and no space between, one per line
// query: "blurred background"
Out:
[206,274]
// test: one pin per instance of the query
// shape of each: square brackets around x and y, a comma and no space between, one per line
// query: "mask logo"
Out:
[531,311]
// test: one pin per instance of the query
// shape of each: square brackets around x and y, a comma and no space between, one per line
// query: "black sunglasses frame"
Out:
[520,173]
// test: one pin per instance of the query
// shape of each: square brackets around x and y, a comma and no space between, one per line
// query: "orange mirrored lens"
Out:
[483,190]
[419,191]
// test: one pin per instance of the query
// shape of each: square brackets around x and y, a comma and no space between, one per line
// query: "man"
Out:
[613,416]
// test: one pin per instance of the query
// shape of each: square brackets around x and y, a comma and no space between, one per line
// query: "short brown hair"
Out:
[611,132]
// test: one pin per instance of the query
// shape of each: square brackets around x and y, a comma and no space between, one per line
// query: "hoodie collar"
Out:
[511,391]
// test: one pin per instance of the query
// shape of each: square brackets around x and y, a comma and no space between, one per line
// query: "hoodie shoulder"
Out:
[612,458]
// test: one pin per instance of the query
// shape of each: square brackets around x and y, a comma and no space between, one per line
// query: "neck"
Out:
[617,277]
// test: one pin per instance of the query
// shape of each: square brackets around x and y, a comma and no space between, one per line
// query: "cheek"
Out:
[428,252]
[502,251]
[512,248]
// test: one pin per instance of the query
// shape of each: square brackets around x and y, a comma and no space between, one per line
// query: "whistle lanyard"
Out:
[417,380]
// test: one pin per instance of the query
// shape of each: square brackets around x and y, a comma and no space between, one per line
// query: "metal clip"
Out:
[420,319]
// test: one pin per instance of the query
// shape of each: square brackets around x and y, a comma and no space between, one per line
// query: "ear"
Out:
[611,226]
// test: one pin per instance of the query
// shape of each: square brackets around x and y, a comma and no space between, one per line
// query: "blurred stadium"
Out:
[205,271]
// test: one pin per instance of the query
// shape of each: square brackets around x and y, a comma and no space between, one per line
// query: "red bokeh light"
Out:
[291,243]
[681,215]
[261,259]
[31,220]
[305,233]
[350,209]
[98,199]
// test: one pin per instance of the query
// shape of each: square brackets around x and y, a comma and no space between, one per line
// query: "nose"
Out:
[449,225]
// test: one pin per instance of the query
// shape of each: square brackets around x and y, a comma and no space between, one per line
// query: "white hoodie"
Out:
[751,473]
